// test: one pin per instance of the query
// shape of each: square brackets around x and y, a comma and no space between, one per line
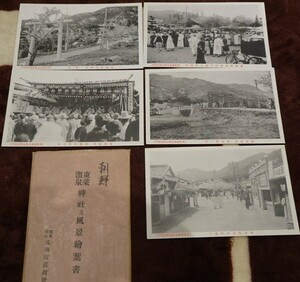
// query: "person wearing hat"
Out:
[80,133]
[90,123]
[114,127]
[99,133]
[125,119]
[49,131]
[165,38]
[30,128]
[186,39]
[158,41]
[170,43]
[73,125]
[133,129]
[218,45]
[201,52]
[207,46]
[180,40]
[175,37]
[225,46]
[64,124]
[20,126]
[193,43]
[152,37]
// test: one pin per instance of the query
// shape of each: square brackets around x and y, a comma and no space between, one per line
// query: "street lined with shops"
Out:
[233,216]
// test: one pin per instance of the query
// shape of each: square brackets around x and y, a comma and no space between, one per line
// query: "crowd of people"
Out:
[217,196]
[65,125]
[201,42]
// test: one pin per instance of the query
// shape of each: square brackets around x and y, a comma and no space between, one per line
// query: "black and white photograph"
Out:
[219,192]
[209,106]
[68,36]
[67,108]
[205,34]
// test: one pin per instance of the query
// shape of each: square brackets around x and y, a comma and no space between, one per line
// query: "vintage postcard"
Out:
[79,36]
[78,226]
[205,35]
[219,192]
[74,108]
[212,106]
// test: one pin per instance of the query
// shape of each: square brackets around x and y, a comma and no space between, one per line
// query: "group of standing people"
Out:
[217,197]
[93,127]
[165,40]
[202,43]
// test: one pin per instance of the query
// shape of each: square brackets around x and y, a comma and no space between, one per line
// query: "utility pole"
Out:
[256,83]
[67,34]
[185,16]
[105,28]
[59,39]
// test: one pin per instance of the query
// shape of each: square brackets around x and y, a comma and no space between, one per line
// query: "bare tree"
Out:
[39,31]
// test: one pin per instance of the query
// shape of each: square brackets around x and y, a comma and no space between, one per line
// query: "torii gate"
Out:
[59,37]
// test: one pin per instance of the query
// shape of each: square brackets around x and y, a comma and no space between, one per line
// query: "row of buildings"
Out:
[267,184]
[169,193]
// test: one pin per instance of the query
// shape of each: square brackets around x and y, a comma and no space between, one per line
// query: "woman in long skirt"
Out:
[207,46]
[200,53]
[180,40]
[170,43]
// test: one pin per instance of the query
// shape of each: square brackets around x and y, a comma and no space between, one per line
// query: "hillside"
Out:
[166,88]
[125,16]
[242,168]
[114,15]
[195,174]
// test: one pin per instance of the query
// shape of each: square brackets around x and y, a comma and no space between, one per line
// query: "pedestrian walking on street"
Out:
[247,199]
[216,199]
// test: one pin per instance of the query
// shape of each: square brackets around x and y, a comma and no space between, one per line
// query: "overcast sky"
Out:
[220,77]
[204,158]
[250,10]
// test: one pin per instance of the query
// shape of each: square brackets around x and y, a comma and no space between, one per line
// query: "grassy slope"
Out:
[216,124]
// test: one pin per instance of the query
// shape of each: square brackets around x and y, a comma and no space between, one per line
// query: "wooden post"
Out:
[67,38]
[258,102]
[59,40]
[31,49]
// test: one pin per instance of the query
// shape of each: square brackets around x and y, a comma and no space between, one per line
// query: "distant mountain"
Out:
[114,14]
[241,168]
[195,174]
[166,88]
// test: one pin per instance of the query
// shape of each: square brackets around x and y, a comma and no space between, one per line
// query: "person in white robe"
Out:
[62,121]
[218,44]
[49,132]
[170,43]
[193,42]
[180,40]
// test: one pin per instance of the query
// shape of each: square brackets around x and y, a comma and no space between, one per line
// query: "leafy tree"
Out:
[265,80]
[256,22]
